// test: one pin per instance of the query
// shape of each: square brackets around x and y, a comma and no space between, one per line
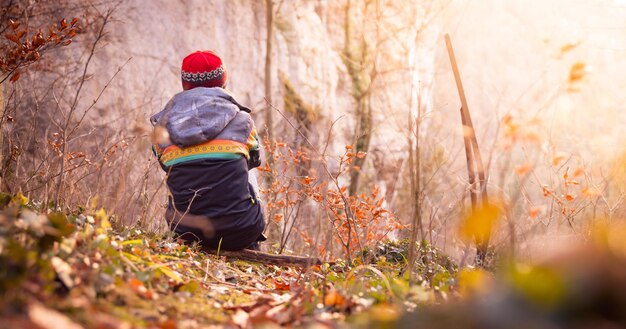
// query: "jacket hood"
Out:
[197,115]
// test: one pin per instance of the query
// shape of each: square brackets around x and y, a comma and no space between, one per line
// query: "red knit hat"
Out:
[203,69]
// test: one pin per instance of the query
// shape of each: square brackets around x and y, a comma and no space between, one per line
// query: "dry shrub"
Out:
[57,146]
[355,223]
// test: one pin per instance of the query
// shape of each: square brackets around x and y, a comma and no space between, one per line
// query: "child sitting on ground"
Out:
[211,146]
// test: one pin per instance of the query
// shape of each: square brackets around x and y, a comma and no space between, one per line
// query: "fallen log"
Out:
[265,258]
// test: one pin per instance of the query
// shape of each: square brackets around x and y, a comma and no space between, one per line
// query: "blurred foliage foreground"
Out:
[78,270]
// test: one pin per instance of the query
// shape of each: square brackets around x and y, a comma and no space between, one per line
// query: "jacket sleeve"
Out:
[254,149]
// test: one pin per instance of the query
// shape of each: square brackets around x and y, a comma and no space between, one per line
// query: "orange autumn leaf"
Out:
[578,171]
[558,158]
[278,218]
[577,72]
[306,180]
[14,25]
[137,286]
[15,76]
[569,197]
[12,37]
[590,191]
[532,137]
[546,190]
[280,285]
[534,212]
[534,121]
[334,298]
[569,46]
[522,170]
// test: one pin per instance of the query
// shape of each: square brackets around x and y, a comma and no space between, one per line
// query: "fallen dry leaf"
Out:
[47,318]
[63,270]
[241,318]
[280,285]
[279,314]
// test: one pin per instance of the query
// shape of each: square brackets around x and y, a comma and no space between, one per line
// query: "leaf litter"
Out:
[82,271]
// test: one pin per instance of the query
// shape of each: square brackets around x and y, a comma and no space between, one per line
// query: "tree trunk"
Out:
[356,64]
[269,122]
[363,136]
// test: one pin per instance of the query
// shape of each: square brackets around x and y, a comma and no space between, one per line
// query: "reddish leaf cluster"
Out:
[21,50]
[570,195]
[358,221]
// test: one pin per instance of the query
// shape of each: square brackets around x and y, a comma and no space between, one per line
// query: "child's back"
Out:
[212,145]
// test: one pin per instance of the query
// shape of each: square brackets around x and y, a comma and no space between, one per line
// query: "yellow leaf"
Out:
[93,202]
[20,199]
[472,281]
[384,313]
[615,238]
[131,242]
[102,218]
[175,276]
[541,285]
[480,222]
[131,257]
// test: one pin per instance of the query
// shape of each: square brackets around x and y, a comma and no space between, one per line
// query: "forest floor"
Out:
[81,270]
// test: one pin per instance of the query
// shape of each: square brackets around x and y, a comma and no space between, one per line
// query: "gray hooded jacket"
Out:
[201,114]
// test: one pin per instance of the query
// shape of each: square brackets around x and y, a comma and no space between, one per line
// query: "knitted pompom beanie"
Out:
[203,69]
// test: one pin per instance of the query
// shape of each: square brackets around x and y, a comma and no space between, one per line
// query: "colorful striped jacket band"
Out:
[215,149]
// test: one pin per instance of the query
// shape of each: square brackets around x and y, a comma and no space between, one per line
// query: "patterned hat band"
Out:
[202,76]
